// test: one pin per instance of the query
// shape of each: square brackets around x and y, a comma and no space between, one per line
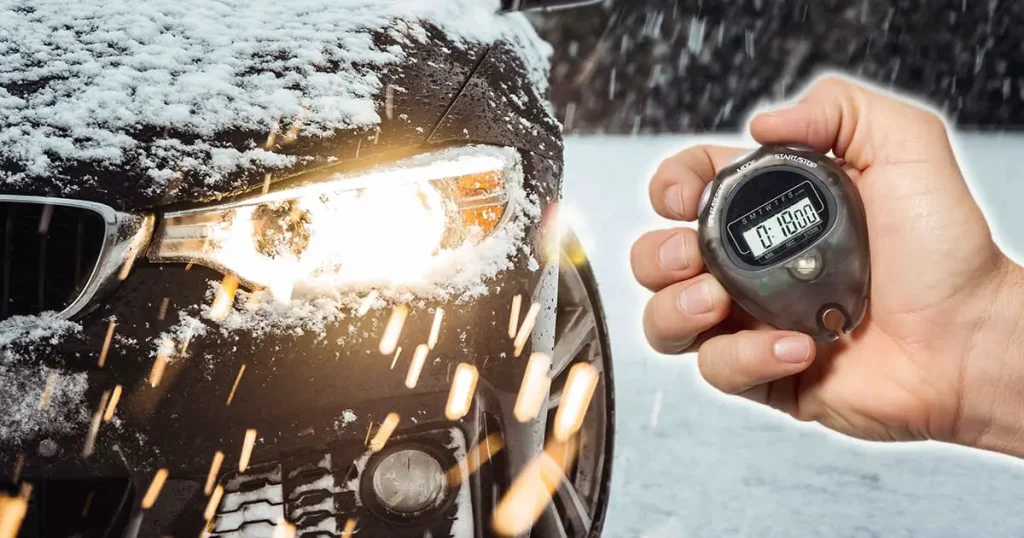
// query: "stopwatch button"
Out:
[704,196]
[801,148]
[834,320]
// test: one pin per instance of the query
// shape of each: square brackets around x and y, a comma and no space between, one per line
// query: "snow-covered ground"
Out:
[706,465]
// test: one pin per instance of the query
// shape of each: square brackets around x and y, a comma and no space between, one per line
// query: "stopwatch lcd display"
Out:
[774,215]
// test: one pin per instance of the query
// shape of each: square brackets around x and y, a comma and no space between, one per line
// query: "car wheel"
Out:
[581,335]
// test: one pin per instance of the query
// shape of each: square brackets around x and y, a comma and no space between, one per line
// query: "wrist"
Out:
[991,406]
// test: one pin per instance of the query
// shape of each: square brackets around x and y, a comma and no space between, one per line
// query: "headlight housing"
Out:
[382,226]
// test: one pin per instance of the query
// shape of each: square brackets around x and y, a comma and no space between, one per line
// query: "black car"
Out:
[271,269]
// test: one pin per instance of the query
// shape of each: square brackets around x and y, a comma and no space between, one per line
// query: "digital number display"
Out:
[776,230]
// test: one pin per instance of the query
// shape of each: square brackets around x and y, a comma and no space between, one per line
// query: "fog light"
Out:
[409,481]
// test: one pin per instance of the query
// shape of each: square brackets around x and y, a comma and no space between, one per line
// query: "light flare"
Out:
[576,396]
[51,384]
[161,313]
[12,511]
[126,268]
[88,503]
[247,444]
[106,343]
[350,528]
[395,360]
[272,135]
[284,529]
[476,457]
[367,303]
[224,299]
[533,392]
[154,489]
[238,378]
[460,397]
[94,427]
[211,477]
[115,397]
[416,366]
[435,327]
[526,328]
[160,363]
[393,330]
[397,249]
[531,491]
[384,432]
[513,318]
[213,503]
[266,182]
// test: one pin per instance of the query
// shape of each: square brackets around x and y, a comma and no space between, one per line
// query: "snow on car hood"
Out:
[81,82]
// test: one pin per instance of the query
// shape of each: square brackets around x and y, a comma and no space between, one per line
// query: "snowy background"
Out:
[666,66]
[706,465]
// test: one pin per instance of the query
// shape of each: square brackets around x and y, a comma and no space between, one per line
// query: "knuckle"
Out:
[931,121]
[663,173]
[656,326]
[706,359]
[803,413]
[830,83]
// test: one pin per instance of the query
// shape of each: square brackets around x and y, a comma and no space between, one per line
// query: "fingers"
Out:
[679,181]
[677,314]
[741,363]
[856,123]
[663,257]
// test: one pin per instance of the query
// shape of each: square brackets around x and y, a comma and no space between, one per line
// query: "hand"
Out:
[932,357]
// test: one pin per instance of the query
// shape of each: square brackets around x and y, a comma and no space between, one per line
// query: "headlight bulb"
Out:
[280,228]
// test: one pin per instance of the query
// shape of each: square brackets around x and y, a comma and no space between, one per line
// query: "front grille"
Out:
[48,254]
[301,490]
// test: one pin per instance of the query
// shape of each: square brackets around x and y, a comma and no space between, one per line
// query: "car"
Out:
[292,269]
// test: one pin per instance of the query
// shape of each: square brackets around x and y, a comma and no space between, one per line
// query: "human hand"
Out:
[932,358]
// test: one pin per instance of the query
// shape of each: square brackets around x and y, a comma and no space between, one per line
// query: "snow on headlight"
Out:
[438,225]
[433,218]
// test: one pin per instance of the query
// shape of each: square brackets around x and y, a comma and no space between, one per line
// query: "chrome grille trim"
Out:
[125,238]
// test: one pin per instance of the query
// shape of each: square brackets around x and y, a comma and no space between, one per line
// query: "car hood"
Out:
[143,103]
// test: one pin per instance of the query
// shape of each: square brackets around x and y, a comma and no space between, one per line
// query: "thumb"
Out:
[861,125]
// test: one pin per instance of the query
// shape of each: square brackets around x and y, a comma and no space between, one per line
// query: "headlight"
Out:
[381,226]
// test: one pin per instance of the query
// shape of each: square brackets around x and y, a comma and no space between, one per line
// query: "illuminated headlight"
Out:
[383,225]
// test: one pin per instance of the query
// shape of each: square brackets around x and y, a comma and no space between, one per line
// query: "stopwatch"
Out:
[784,230]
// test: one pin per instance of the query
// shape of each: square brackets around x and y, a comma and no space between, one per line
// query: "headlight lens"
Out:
[380,226]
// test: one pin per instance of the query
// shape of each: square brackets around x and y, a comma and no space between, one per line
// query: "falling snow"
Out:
[670,66]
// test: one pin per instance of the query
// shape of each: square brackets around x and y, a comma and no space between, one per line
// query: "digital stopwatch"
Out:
[783,229]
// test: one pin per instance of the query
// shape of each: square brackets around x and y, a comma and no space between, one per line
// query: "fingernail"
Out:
[792,349]
[672,256]
[697,298]
[674,199]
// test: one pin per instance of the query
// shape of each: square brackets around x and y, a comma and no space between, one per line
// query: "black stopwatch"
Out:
[783,229]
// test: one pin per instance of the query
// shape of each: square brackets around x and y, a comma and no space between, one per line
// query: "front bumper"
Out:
[299,390]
